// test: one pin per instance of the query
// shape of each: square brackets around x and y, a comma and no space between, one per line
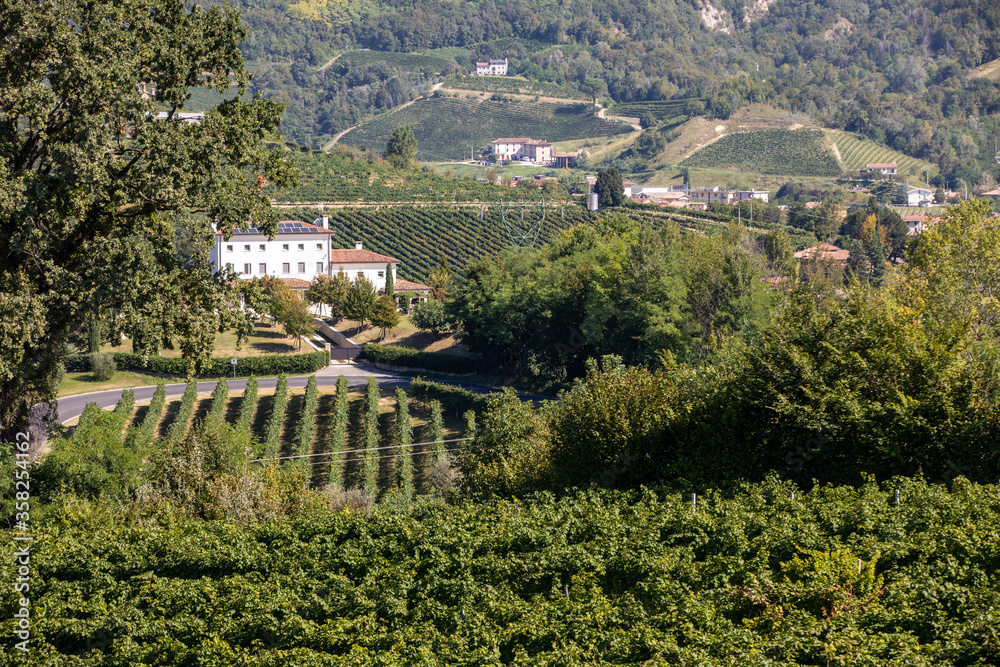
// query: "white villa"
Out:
[492,68]
[299,250]
[522,148]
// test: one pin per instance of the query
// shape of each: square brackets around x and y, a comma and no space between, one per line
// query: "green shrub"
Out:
[307,419]
[272,432]
[435,430]
[404,437]
[396,355]
[455,398]
[103,366]
[370,469]
[180,425]
[143,434]
[337,433]
[248,408]
[260,366]
[220,396]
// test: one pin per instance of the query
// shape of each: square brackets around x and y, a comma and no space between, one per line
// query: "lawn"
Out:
[266,339]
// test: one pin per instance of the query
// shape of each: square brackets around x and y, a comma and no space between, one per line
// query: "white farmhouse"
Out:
[492,68]
[299,250]
[522,148]
[919,197]
[359,262]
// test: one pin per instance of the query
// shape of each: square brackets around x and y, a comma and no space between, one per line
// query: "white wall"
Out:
[371,271]
[315,251]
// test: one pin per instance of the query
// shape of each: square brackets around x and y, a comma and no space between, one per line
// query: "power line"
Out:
[356,451]
[377,458]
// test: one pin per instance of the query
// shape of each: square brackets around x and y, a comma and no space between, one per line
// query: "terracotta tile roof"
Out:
[353,256]
[824,249]
[880,165]
[296,283]
[409,286]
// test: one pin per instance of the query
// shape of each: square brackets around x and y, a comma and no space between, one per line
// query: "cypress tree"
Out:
[390,282]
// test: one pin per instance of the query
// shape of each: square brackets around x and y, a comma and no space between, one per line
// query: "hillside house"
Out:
[522,148]
[361,262]
[919,197]
[299,250]
[492,68]
[882,168]
[915,223]
[717,194]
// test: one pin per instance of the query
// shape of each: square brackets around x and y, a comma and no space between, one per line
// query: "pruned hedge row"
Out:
[272,432]
[143,434]
[397,355]
[454,398]
[248,408]
[307,418]
[180,425]
[262,365]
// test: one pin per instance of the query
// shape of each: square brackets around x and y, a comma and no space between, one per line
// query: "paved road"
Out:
[71,407]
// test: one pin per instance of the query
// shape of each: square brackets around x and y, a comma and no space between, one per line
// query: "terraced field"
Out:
[446,128]
[856,153]
[405,61]
[661,109]
[785,152]
[515,85]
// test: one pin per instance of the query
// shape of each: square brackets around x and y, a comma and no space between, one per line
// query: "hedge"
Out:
[396,355]
[262,365]
[455,398]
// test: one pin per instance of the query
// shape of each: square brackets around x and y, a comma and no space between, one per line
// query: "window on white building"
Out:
[262,247]
[229,248]
[286,268]
[302,246]
[319,246]
[381,274]
[284,246]
[263,268]
[247,270]
[246,248]
[302,267]
[319,267]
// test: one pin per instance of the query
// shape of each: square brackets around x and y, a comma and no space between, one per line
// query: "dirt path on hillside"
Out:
[329,62]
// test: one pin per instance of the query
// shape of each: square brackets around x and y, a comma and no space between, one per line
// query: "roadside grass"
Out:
[85,383]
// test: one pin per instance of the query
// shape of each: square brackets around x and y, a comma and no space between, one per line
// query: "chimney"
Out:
[357,245]
[326,221]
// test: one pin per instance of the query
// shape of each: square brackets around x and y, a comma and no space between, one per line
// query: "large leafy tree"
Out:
[401,149]
[609,188]
[99,170]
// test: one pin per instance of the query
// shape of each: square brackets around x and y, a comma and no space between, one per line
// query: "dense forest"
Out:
[901,73]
